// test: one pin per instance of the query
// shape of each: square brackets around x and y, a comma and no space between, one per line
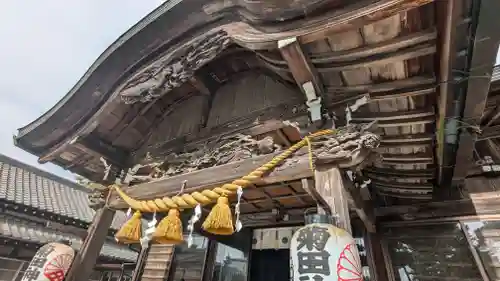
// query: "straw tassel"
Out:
[131,230]
[169,230]
[220,221]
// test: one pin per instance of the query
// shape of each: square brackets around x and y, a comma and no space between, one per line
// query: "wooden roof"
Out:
[193,71]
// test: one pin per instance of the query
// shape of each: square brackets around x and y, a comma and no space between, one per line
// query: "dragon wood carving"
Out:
[348,147]
[172,71]
[230,149]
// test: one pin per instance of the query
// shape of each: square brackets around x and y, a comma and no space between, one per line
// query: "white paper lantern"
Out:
[50,263]
[321,251]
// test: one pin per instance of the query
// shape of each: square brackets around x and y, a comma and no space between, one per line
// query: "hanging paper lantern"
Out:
[50,263]
[320,251]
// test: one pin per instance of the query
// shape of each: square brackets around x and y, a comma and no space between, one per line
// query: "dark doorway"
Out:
[270,265]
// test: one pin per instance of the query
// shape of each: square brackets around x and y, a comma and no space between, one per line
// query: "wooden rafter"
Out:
[303,72]
[299,64]
[99,148]
[388,46]
[480,204]
[394,174]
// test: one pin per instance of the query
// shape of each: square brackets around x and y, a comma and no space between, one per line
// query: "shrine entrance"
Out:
[270,265]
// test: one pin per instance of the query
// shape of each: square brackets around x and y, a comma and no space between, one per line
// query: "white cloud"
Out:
[46,46]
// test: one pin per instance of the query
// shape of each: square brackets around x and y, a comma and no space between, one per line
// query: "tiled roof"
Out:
[29,186]
[25,230]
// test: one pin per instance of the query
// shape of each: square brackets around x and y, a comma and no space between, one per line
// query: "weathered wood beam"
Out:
[100,148]
[406,54]
[486,40]
[404,122]
[372,61]
[299,64]
[96,147]
[396,119]
[304,73]
[375,257]
[330,186]
[202,179]
[405,193]
[412,158]
[341,99]
[313,192]
[392,173]
[364,51]
[411,92]
[334,22]
[390,116]
[398,194]
[416,145]
[484,203]
[384,87]
[363,208]
[403,185]
[407,139]
[86,257]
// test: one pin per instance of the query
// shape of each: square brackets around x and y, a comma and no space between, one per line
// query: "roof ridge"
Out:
[40,172]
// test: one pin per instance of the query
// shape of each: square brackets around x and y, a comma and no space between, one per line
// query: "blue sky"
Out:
[46,47]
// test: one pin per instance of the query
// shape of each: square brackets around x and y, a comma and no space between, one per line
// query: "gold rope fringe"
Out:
[220,221]
[169,230]
[131,230]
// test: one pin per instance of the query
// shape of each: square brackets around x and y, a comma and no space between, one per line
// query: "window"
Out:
[431,252]
[189,262]
[11,269]
[230,264]
[485,240]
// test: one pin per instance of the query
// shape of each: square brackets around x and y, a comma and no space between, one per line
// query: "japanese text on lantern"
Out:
[36,265]
[312,255]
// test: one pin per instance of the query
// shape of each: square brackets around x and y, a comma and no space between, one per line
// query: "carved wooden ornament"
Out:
[172,71]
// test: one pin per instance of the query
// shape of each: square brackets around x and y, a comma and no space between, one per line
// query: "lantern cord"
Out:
[208,196]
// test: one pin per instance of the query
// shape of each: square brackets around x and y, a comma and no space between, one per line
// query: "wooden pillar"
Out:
[330,186]
[85,259]
[375,257]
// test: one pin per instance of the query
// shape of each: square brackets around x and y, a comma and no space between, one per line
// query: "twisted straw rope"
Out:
[207,196]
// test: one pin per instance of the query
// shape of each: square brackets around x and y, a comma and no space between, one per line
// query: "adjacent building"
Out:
[37,207]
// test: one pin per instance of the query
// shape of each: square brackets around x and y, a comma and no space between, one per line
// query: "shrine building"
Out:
[304,140]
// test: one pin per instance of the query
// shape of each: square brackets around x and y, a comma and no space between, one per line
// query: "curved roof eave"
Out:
[119,42]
